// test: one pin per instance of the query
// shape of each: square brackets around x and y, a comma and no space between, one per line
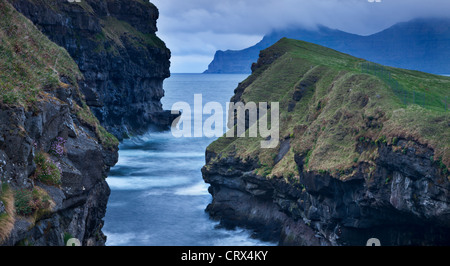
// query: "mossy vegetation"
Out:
[47,170]
[29,62]
[119,30]
[32,204]
[107,140]
[29,201]
[7,218]
[66,237]
[32,67]
[329,105]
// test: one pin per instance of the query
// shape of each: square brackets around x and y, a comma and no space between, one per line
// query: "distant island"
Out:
[419,44]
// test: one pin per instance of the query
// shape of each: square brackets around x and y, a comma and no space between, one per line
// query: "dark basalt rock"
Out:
[124,65]
[79,204]
[405,201]
[164,119]
[54,157]
[2,207]
[123,69]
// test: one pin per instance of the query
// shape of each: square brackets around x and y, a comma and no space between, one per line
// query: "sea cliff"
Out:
[71,73]
[355,160]
[116,48]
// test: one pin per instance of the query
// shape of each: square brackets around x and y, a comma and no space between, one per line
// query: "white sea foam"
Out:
[133,154]
[144,167]
[119,239]
[195,190]
[155,192]
[158,173]
[116,204]
[144,182]
[239,237]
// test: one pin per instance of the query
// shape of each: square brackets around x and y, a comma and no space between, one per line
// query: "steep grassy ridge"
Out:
[32,68]
[115,46]
[355,159]
[54,154]
[29,61]
[329,108]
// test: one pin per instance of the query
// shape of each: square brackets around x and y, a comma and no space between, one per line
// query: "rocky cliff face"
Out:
[114,44]
[404,202]
[76,205]
[54,155]
[353,163]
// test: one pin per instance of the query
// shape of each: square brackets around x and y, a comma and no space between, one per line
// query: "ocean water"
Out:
[158,196]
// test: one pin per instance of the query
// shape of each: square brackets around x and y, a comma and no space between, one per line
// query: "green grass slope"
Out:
[33,69]
[329,107]
[29,61]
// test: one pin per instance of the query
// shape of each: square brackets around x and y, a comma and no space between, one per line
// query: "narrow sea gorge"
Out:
[340,131]
[158,196]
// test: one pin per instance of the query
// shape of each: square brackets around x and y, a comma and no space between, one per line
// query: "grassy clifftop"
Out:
[334,115]
[29,61]
[54,154]
[33,68]
[115,46]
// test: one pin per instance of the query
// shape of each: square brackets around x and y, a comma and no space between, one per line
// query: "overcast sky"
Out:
[194,29]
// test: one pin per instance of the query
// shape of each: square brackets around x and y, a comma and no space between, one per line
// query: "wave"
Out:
[199,189]
[130,166]
[145,182]
[119,239]
[148,155]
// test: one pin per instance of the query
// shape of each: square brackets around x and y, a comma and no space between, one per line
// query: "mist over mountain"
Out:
[421,44]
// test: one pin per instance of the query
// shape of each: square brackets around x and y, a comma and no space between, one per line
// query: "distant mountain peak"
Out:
[419,44]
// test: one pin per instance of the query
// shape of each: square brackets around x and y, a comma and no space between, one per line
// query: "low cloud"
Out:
[199,27]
